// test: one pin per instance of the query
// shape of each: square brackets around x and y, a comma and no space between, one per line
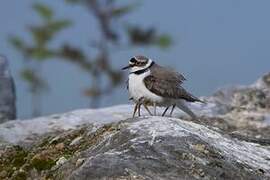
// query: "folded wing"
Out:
[168,88]
[167,74]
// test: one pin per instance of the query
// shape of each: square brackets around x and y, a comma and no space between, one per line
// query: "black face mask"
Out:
[143,70]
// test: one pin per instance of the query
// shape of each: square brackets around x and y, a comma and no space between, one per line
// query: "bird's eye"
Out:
[132,60]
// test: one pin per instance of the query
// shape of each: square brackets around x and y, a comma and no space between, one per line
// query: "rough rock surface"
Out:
[7,92]
[230,141]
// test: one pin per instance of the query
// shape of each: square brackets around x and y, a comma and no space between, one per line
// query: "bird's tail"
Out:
[183,94]
[181,105]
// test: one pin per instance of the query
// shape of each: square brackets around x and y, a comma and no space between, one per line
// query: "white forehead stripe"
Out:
[137,68]
[149,63]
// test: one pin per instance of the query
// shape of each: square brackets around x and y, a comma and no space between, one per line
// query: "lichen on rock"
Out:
[230,140]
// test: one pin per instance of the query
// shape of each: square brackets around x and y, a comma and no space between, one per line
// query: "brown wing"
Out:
[167,74]
[168,89]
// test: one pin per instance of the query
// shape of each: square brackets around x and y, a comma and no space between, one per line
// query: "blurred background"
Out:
[67,54]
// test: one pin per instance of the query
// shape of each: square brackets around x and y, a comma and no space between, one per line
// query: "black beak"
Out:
[127,67]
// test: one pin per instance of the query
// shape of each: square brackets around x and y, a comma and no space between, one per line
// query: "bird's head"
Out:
[138,63]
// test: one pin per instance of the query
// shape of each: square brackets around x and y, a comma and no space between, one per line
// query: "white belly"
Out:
[138,90]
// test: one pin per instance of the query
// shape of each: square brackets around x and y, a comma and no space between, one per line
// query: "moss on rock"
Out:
[16,162]
[40,162]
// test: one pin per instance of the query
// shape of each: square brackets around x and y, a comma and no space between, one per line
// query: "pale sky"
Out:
[217,43]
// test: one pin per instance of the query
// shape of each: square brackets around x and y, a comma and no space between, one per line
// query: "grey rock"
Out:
[253,97]
[266,80]
[169,148]
[231,140]
[61,161]
[7,92]
[75,141]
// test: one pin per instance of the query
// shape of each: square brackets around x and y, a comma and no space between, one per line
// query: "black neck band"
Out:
[142,70]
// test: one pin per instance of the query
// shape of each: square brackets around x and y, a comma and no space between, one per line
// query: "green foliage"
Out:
[73,1]
[107,13]
[44,11]
[58,25]
[72,53]
[148,36]
[124,10]
[31,77]
[38,51]
[41,54]
[42,34]
[16,42]
[164,41]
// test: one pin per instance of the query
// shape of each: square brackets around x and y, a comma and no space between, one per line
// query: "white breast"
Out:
[138,90]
